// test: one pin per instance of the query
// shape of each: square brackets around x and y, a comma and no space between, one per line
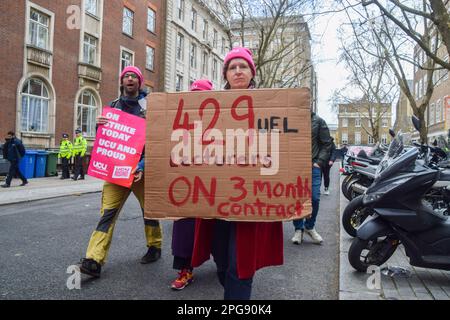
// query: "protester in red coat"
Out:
[238,248]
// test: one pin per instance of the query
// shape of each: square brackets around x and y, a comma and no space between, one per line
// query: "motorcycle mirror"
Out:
[392,133]
[416,122]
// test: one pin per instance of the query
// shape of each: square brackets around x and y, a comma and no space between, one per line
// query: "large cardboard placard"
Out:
[118,147]
[254,166]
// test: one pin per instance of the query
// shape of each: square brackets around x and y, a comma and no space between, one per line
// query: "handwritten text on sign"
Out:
[118,147]
[237,155]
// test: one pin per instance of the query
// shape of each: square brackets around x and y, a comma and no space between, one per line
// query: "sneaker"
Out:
[81,178]
[152,255]
[5,186]
[185,277]
[90,267]
[315,236]
[326,191]
[24,183]
[74,179]
[298,237]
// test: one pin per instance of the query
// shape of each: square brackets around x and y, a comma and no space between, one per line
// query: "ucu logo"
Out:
[100,166]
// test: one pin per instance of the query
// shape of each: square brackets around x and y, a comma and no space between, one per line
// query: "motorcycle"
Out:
[405,212]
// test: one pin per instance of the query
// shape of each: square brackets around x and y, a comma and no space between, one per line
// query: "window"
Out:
[126,59]
[445,71]
[151,20]
[384,123]
[90,49]
[357,137]
[344,122]
[215,39]
[194,19]
[214,71]
[344,138]
[39,29]
[205,63]
[149,62]
[193,56]
[431,114]
[205,30]
[425,84]
[179,83]
[384,138]
[128,17]
[439,116]
[35,104]
[87,113]
[180,9]
[180,47]
[357,122]
[370,139]
[91,7]
[223,46]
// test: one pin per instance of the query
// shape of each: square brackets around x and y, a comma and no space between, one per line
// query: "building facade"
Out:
[404,112]
[196,44]
[354,127]
[63,61]
[290,50]
[437,114]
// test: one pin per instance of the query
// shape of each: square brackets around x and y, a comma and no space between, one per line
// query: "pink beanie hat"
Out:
[239,52]
[201,85]
[136,71]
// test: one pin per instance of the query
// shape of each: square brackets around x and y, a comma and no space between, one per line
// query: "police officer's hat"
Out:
[78,130]
[65,135]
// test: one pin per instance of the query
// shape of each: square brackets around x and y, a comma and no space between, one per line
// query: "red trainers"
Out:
[185,277]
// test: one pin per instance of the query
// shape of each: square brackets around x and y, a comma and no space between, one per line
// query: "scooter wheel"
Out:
[365,253]
[354,215]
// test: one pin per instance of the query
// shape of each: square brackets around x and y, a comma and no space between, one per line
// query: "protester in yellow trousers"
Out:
[114,196]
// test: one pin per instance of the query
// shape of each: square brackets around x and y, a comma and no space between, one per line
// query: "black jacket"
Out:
[320,140]
[333,152]
[13,150]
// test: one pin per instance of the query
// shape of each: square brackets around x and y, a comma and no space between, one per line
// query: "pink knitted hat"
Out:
[239,52]
[201,85]
[136,71]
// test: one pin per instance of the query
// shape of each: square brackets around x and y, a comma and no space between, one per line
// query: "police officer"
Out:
[79,149]
[65,153]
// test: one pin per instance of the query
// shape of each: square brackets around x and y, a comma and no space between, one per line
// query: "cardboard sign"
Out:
[118,147]
[235,155]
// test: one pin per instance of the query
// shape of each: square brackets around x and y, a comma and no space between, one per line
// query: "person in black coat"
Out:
[327,166]
[13,151]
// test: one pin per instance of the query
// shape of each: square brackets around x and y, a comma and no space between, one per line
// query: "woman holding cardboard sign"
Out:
[239,248]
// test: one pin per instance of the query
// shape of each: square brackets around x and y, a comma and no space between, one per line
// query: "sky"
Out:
[325,50]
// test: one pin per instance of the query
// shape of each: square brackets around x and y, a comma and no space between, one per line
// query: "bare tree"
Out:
[280,37]
[380,37]
[373,79]
[435,17]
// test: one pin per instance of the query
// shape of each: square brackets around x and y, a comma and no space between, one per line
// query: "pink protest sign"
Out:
[118,147]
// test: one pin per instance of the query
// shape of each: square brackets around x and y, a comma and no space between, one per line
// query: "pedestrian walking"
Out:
[78,151]
[133,101]
[321,146]
[13,151]
[238,248]
[327,167]
[65,154]
[184,229]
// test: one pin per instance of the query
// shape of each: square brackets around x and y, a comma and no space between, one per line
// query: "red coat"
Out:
[258,245]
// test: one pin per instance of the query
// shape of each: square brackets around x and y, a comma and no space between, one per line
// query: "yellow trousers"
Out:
[113,199]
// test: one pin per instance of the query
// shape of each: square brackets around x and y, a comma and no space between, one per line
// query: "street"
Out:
[40,240]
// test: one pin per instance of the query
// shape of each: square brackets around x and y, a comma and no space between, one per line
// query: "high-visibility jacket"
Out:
[79,146]
[65,149]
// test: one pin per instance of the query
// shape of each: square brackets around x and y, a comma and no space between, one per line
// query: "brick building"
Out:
[355,128]
[63,60]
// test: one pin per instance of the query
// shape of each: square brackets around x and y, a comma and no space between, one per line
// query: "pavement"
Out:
[47,188]
[420,284]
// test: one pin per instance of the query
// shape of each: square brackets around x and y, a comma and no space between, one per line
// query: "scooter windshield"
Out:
[395,149]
